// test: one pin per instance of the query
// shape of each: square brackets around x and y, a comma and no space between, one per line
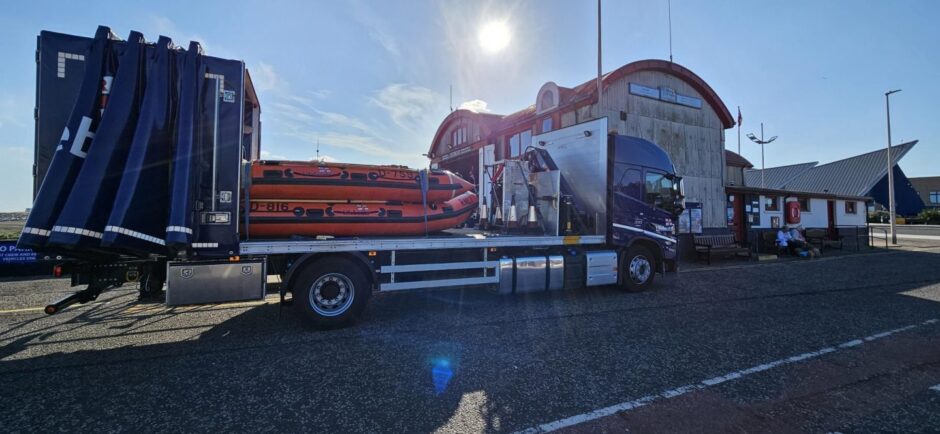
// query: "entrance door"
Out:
[738,224]
[831,210]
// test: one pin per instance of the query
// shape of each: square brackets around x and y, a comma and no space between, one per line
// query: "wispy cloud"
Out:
[475,105]
[264,77]
[13,113]
[376,28]
[162,25]
[409,106]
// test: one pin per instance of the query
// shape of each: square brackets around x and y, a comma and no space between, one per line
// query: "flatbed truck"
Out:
[600,210]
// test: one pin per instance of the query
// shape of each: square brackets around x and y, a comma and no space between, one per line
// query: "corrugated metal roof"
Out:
[776,177]
[853,176]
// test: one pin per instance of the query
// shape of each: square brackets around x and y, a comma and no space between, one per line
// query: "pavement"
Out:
[839,344]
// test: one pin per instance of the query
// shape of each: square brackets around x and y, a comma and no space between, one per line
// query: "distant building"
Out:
[656,100]
[752,209]
[864,175]
[928,188]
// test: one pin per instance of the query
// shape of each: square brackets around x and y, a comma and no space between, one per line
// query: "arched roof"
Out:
[675,69]
[486,121]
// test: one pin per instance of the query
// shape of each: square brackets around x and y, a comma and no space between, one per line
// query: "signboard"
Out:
[639,89]
[665,94]
[690,221]
[9,254]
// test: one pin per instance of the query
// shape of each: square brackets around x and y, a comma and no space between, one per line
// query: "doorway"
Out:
[831,211]
[737,217]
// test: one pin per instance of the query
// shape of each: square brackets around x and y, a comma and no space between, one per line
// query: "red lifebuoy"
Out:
[793,212]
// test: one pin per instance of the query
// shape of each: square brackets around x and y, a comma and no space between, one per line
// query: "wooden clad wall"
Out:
[694,138]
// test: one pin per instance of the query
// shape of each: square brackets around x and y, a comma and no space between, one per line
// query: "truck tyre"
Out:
[638,269]
[331,292]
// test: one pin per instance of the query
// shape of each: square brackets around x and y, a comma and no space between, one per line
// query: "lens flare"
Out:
[494,36]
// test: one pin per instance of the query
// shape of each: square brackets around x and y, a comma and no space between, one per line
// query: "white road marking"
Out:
[682,390]
[935,388]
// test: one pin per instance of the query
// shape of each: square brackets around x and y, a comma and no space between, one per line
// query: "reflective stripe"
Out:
[135,234]
[79,231]
[652,234]
[36,231]
[183,229]
[205,245]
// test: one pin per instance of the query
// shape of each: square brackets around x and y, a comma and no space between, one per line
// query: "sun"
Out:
[494,36]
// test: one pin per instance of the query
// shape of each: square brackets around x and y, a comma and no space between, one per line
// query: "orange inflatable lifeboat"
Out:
[271,218]
[291,180]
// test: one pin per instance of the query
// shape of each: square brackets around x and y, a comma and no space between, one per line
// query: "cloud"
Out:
[376,28]
[266,155]
[161,25]
[409,106]
[264,77]
[475,105]
[13,114]
[325,159]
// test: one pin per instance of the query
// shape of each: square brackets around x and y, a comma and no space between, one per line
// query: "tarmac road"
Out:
[846,344]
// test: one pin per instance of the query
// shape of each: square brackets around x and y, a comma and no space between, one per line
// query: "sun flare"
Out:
[494,36]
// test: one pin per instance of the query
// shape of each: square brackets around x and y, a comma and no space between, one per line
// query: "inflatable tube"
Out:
[137,224]
[74,144]
[82,220]
[312,218]
[288,180]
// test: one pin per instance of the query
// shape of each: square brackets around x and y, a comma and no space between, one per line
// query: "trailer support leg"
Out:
[84,296]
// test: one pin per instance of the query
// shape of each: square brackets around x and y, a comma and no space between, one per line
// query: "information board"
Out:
[9,254]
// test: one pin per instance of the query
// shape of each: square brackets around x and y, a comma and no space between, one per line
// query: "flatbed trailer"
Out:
[599,208]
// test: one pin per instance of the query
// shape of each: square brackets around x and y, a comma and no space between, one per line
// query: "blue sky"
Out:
[370,79]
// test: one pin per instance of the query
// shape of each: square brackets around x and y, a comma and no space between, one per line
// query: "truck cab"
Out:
[646,196]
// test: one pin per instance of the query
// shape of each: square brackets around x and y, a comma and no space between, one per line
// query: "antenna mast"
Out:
[669,4]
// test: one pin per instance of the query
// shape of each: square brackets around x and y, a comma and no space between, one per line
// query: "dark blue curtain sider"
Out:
[81,223]
[137,224]
[179,230]
[74,144]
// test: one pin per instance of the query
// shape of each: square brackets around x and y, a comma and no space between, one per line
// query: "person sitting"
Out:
[796,238]
[784,240]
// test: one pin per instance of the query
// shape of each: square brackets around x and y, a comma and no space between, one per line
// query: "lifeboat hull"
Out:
[312,218]
[293,180]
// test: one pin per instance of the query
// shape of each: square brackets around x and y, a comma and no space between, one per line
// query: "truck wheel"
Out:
[638,269]
[331,292]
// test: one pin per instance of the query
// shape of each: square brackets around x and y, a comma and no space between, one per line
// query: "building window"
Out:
[519,142]
[804,204]
[771,203]
[850,207]
[548,100]
[935,197]
[547,124]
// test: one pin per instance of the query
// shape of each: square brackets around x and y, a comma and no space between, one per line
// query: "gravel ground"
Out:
[471,361]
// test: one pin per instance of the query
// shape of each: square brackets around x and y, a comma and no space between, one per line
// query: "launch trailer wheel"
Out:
[638,269]
[332,292]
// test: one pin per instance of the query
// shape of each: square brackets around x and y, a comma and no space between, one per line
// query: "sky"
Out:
[370,80]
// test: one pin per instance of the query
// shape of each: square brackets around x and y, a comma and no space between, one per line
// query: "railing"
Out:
[842,232]
[871,234]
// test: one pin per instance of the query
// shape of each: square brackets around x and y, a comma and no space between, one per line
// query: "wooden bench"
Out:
[709,245]
[770,243]
[820,238]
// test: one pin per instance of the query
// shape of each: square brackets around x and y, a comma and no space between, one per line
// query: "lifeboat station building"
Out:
[656,100]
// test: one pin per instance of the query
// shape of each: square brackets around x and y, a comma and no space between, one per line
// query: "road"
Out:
[845,344]
[913,232]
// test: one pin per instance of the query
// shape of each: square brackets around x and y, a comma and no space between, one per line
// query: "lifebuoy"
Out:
[793,211]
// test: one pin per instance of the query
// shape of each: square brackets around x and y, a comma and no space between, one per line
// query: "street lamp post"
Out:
[761,142]
[894,235]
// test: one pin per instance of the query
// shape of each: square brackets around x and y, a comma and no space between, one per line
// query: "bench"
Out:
[709,245]
[770,243]
[820,238]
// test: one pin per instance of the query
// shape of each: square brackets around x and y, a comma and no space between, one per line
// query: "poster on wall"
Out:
[690,221]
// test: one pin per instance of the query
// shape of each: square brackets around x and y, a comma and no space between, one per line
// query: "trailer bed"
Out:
[451,239]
